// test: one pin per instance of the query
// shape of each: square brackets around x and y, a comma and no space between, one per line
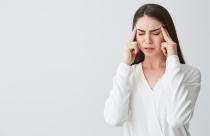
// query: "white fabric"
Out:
[164,110]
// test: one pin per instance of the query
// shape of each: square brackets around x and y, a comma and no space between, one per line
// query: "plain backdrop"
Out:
[58,57]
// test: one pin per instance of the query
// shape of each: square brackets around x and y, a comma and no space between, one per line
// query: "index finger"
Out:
[133,34]
[166,36]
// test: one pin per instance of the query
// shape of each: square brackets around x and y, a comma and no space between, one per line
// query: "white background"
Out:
[58,57]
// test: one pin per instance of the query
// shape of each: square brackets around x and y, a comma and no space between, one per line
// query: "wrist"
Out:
[126,62]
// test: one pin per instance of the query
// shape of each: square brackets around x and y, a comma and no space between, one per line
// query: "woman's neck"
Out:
[154,62]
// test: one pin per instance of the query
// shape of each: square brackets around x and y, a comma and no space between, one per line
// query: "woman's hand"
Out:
[130,49]
[169,47]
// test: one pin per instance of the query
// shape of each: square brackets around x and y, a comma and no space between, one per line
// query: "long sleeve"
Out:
[184,88]
[117,104]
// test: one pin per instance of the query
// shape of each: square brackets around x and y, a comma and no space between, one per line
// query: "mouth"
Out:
[148,49]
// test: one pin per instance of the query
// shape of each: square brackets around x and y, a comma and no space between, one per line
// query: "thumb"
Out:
[136,50]
[163,48]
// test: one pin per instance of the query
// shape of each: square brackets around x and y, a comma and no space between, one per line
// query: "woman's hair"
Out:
[162,15]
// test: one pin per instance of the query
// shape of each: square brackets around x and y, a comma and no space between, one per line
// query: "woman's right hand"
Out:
[130,49]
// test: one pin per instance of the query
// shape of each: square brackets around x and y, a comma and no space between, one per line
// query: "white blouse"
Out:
[164,110]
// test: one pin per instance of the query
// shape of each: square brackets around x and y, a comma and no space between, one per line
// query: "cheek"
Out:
[139,41]
[158,40]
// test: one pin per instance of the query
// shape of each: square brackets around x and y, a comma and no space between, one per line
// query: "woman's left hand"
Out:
[169,47]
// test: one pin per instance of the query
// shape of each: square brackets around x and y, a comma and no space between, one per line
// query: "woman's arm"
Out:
[117,104]
[182,94]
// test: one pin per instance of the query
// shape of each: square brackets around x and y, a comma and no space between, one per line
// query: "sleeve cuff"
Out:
[172,61]
[124,69]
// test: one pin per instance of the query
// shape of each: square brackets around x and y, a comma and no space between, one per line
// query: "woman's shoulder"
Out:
[191,72]
[189,68]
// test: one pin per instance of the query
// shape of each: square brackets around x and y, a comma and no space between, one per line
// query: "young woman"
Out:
[154,92]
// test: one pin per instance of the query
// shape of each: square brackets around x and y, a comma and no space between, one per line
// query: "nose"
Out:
[147,39]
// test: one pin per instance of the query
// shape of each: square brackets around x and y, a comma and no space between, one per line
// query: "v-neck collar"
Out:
[143,77]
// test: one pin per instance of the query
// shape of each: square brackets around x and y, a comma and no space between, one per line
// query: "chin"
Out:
[152,54]
[149,55]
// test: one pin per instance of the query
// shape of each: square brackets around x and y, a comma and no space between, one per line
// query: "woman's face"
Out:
[149,36]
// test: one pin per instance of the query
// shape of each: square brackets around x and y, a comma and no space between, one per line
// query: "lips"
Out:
[148,48]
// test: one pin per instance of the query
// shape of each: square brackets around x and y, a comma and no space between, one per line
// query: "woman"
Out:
[154,92]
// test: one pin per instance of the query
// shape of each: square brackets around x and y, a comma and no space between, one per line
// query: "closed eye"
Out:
[156,33]
[153,33]
[141,34]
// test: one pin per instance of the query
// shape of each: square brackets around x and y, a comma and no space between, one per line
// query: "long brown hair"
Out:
[161,14]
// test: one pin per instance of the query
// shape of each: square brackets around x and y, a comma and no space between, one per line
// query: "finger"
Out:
[166,36]
[164,45]
[132,45]
[133,34]
[164,50]
[133,48]
[136,50]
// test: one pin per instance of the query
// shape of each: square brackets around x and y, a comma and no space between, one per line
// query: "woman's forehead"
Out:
[147,23]
[148,27]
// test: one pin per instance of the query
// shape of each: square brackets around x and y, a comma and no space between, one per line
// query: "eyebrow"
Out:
[150,30]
